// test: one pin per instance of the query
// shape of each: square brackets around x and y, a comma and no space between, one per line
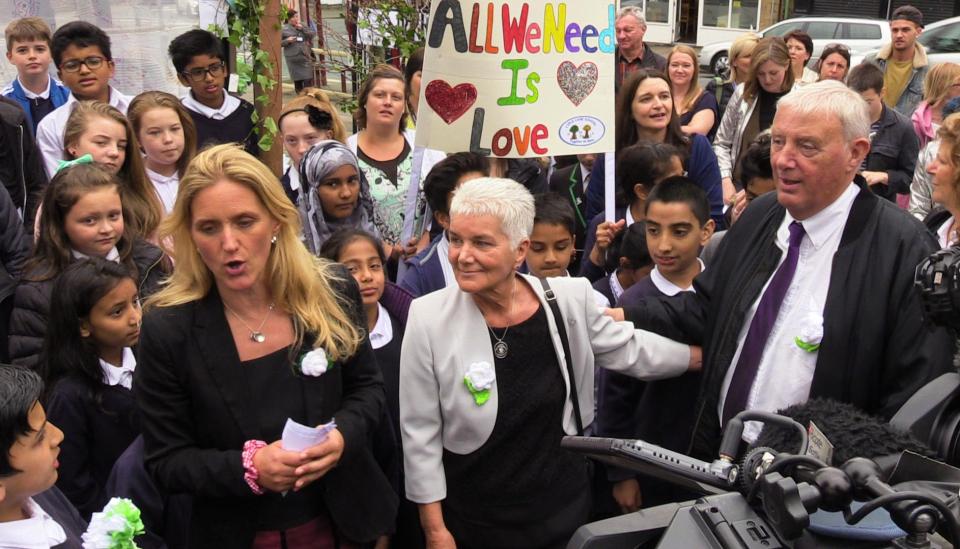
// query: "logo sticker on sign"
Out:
[582,131]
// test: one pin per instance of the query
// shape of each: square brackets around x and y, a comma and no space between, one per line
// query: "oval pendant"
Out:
[500,350]
[257,337]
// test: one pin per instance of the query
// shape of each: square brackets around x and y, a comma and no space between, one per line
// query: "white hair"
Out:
[634,11]
[831,98]
[504,199]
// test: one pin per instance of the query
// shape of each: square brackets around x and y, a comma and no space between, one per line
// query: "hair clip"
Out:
[85,159]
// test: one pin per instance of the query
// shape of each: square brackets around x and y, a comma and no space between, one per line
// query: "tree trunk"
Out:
[270,42]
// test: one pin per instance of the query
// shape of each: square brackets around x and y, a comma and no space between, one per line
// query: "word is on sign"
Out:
[518,78]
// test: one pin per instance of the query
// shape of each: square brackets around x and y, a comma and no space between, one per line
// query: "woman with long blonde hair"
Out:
[738,61]
[252,330]
[941,84]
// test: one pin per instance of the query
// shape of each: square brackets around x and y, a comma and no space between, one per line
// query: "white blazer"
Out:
[446,333]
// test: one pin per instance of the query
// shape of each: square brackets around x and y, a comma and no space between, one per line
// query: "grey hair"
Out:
[504,199]
[831,98]
[634,11]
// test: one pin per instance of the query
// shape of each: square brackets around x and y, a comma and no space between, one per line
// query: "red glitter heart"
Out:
[450,103]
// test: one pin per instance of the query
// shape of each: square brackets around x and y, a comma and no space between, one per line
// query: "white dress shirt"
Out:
[230,104]
[123,374]
[112,255]
[382,332]
[39,531]
[30,95]
[166,186]
[669,288]
[51,128]
[786,371]
[443,252]
[585,175]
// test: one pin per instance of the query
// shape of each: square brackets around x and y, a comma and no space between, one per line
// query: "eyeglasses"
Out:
[199,74]
[93,63]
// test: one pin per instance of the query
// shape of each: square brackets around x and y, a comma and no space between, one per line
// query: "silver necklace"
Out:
[256,336]
[500,348]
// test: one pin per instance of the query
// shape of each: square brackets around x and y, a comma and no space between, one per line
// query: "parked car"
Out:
[941,39]
[857,34]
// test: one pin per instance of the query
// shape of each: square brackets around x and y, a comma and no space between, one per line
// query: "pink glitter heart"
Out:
[450,103]
[577,82]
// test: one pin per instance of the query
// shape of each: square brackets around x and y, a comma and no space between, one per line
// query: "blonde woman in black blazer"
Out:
[220,368]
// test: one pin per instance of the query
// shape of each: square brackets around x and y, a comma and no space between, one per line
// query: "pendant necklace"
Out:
[500,348]
[256,336]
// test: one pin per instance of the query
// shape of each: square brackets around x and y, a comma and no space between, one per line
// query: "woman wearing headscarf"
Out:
[333,194]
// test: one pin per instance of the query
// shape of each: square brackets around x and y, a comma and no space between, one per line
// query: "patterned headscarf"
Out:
[324,158]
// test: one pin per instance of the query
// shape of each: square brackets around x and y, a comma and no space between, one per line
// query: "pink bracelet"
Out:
[250,473]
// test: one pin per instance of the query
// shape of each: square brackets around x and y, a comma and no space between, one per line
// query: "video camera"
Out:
[765,499]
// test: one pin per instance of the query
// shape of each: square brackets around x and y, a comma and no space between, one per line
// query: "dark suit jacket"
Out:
[876,350]
[568,182]
[196,417]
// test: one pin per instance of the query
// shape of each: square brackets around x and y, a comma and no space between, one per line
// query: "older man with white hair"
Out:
[811,292]
[632,53]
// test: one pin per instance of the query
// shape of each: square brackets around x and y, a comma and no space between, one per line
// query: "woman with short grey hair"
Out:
[493,373]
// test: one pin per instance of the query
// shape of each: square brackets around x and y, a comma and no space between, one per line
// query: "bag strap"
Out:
[562,329]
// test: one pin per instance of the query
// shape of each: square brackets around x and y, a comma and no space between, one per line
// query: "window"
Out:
[744,14]
[657,11]
[783,29]
[862,31]
[715,13]
[945,39]
[822,30]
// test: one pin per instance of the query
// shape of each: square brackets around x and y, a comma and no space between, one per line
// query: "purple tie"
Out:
[760,327]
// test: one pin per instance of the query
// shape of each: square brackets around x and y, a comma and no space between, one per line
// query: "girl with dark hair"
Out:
[88,362]
[646,113]
[386,306]
[628,261]
[639,168]
[82,216]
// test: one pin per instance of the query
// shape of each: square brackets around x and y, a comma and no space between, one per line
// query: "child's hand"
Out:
[606,232]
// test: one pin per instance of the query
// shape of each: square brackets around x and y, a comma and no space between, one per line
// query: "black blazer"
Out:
[195,419]
[568,182]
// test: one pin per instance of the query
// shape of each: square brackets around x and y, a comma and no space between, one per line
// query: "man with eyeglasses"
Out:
[81,52]
[200,61]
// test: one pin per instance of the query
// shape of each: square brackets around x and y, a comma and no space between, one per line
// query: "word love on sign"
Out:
[518,78]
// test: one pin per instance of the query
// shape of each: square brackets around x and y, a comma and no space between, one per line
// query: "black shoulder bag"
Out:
[562,329]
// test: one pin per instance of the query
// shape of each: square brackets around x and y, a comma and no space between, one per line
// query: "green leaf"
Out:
[255,116]
[266,142]
[270,124]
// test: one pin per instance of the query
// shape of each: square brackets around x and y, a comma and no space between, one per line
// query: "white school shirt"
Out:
[230,104]
[112,255]
[382,332]
[669,288]
[51,128]
[786,371]
[39,531]
[443,251]
[122,375]
[166,187]
[30,95]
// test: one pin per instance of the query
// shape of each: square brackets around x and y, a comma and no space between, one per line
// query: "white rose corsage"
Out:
[114,527]
[811,333]
[315,363]
[479,380]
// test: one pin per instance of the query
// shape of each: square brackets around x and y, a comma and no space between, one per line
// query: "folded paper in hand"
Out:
[298,437]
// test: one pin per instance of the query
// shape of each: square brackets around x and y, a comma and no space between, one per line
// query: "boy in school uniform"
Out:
[430,269]
[200,62]
[28,49]
[81,52]
[552,242]
[678,225]
[33,513]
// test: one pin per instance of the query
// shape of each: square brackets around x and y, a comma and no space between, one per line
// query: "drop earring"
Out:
[273,240]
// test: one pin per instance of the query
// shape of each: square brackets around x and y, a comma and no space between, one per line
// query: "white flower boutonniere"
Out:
[115,527]
[811,332]
[479,380]
[315,363]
